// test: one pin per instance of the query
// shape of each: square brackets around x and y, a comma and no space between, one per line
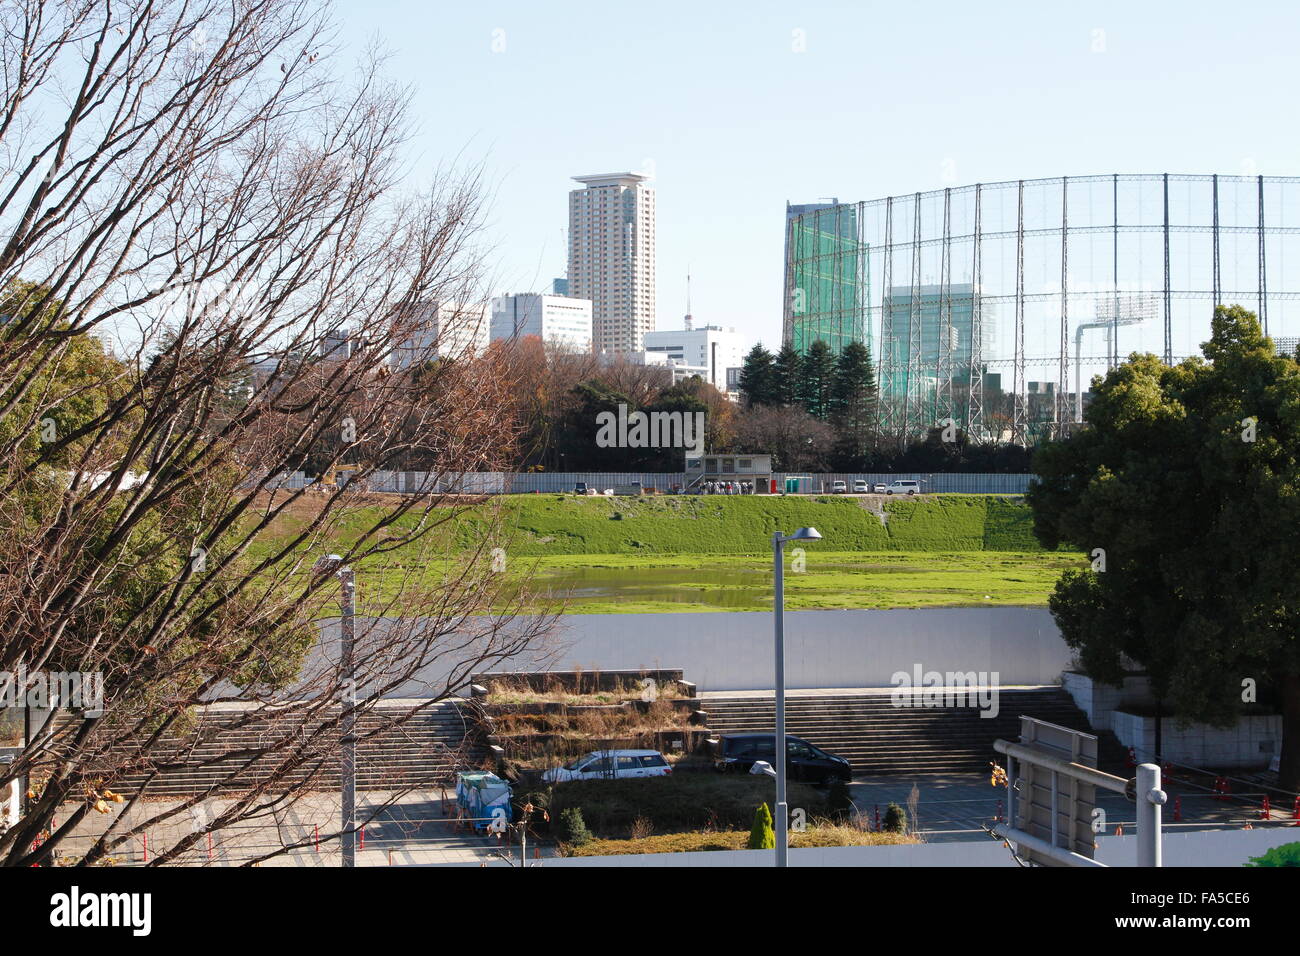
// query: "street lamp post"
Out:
[347,739]
[782,813]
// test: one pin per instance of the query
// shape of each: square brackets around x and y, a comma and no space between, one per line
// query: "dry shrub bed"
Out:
[541,728]
[821,834]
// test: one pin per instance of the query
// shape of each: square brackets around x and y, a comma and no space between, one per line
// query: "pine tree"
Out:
[817,380]
[787,371]
[756,377]
[853,399]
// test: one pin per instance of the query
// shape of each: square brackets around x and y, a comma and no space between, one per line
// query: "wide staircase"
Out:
[879,738]
[425,750]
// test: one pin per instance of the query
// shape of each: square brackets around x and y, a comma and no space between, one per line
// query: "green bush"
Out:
[1288,854]
[573,829]
[895,820]
[761,834]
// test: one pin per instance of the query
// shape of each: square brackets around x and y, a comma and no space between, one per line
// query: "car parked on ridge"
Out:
[737,753]
[861,486]
[838,488]
[903,486]
[611,765]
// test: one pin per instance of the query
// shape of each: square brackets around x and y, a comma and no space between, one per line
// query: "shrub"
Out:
[573,829]
[1288,854]
[761,834]
[895,820]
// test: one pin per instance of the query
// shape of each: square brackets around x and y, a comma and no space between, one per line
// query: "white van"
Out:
[610,765]
[903,487]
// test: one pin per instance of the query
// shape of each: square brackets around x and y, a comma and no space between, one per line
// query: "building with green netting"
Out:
[827,283]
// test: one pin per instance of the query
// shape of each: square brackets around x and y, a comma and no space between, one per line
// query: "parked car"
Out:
[610,765]
[580,488]
[903,486]
[838,487]
[878,488]
[737,753]
[861,487]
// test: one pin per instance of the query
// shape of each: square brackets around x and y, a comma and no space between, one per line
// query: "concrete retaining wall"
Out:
[824,649]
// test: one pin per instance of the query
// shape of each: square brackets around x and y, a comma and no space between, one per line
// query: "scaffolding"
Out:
[998,277]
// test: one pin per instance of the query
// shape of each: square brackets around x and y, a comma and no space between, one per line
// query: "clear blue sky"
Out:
[884,99]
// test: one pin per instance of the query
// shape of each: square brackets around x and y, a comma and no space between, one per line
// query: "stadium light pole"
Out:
[782,813]
[333,564]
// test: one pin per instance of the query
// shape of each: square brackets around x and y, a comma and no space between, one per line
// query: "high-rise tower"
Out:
[612,258]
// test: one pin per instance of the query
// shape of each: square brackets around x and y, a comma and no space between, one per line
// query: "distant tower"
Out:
[688,319]
[612,258]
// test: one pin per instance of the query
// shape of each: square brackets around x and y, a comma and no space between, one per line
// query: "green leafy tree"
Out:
[1185,492]
[762,836]
[756,377]
[1288,854]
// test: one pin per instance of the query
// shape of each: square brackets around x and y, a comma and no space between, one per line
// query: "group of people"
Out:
[728,488]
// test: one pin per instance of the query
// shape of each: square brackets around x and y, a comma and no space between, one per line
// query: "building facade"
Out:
[555,319]
[612,258]
[710,347]
[827,281]
[435,330]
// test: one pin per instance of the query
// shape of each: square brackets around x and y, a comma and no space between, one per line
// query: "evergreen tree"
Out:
[818,380]
[756,377]
[787,371]
[853,400]
[762,835]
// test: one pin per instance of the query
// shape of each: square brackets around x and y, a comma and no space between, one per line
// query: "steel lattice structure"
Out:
[997,278]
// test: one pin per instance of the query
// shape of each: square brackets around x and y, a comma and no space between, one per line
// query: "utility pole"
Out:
[333,564]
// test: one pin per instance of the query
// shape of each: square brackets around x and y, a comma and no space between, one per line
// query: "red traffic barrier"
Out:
[1265,812]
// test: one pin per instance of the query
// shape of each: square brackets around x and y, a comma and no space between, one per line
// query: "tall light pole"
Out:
[348,758]
[782,813]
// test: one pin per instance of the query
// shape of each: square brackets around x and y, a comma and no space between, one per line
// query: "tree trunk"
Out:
[1289,774]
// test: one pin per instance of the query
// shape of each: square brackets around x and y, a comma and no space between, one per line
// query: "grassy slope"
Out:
[939,550]
[554,525]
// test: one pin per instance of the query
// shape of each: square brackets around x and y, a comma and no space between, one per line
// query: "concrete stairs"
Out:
[878,738]
[426,750]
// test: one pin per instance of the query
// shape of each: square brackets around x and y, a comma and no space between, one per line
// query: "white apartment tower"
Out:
[612,258]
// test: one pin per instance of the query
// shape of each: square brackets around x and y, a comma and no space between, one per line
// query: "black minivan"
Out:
[739,752]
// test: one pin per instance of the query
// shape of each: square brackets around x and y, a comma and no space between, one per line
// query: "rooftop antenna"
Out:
[689,319]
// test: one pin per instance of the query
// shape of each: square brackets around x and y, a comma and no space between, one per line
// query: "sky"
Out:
[735,108]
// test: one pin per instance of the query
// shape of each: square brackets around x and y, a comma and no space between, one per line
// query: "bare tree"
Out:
[208,262]
[798,441]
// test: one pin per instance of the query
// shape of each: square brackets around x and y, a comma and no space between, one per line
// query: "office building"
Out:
[555,319]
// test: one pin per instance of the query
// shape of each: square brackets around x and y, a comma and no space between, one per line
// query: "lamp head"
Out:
[806,534]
